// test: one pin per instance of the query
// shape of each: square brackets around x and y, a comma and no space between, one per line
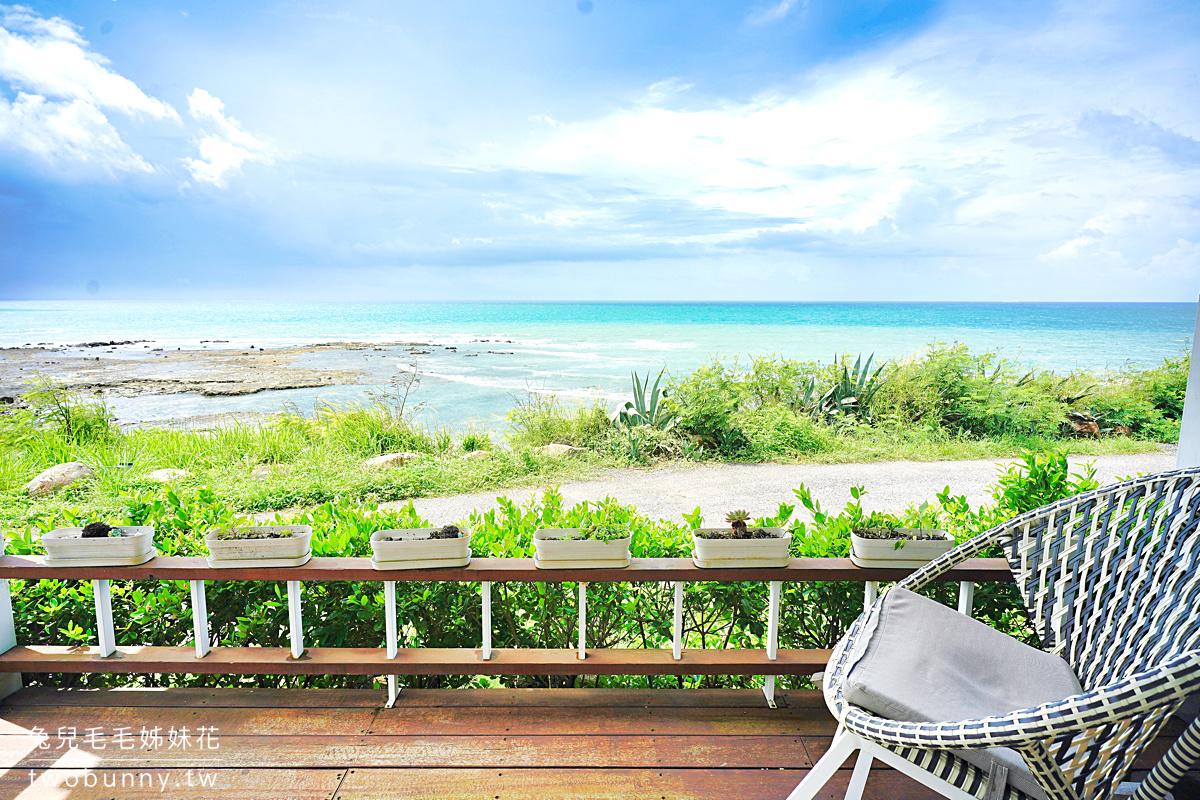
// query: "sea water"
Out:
[587,350]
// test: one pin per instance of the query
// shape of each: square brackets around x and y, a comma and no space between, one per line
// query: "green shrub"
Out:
[363,430]
[542,419]
[474,440]
[979,395]
[704,402]
[1165,385]
[1039,479]
[775,431]
[1123,406]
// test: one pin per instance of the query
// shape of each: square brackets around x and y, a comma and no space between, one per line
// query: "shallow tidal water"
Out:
[582,350]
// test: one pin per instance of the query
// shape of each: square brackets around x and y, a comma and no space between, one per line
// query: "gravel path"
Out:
[759,488]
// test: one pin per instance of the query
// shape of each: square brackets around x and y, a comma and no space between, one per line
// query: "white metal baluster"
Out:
[200,618]
[677,626]
[389,610]
[297,621]
[9,681]
[389,613]
[772,639]
[870,594]
[582,620]
[104,618]
[485,588]
[966,597]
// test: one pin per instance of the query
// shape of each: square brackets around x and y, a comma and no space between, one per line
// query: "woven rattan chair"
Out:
[1111,582]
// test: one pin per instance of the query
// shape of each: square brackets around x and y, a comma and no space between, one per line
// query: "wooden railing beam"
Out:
[490,569]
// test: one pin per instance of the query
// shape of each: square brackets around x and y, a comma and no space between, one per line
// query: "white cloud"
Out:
[954,144]
[226,147]
[1181,260]
[773,13]
[63,91]
[69,132]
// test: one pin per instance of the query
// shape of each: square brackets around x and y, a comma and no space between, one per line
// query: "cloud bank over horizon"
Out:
[759,151]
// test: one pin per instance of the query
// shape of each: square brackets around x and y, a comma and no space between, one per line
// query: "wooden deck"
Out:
[480,744]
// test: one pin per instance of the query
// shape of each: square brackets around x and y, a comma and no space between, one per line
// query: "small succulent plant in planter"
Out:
[897,547]
[99,544]
[739,545]
[421,548]
[260,546]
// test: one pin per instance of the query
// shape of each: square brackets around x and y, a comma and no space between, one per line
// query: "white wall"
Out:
[1189,434]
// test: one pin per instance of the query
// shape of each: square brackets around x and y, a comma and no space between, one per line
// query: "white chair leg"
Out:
[858,780]
[843,746]
[901,764]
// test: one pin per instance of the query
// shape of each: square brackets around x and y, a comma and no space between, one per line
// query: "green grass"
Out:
[943,404]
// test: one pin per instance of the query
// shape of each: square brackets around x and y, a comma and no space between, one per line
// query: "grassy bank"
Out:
[945,403]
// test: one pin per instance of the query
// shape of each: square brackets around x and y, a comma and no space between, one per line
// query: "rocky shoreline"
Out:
[132,368]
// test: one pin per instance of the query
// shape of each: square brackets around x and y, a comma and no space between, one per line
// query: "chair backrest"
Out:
[1111,577]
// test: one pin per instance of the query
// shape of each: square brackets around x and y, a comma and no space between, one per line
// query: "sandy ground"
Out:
[759,488]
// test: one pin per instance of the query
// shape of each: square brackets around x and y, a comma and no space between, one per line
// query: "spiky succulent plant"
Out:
[738,519]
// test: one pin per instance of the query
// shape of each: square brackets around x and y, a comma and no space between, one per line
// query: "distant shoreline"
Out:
[475,358]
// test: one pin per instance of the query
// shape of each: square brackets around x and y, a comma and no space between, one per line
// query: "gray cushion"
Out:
[919,661]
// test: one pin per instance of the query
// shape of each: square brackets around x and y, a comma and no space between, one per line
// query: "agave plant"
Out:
[853,390]
[647,406]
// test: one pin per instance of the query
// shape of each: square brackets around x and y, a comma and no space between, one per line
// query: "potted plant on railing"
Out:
[260,546]
[420,548]
[740,545]
[897,547]
[99,544]
[600,540]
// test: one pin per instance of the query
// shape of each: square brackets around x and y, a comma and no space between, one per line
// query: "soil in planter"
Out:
[755,533]
[446,532]
[227,535]
[907,534]
[98,530]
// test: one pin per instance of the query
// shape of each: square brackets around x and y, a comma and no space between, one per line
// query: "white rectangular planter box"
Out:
[866,552]
[552,551]
[715,553]
[66,547]
[291,551]
[411,548]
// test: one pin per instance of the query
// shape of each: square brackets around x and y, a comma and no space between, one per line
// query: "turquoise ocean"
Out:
[586,350]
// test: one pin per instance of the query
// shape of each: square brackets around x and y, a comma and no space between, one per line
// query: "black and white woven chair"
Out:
[1111,581]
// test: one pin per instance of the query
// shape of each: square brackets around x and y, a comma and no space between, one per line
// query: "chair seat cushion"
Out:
[919,661]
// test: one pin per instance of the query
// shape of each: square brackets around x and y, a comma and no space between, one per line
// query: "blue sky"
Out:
[600,149]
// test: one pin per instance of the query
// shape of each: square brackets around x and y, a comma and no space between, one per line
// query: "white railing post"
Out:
[772,638]
[582,620]
[389,610]
[295,618]
[966,597]
[104,618]
[485,589]
[677,624]
[392,643]
[200,619]
[9,681]
[870,594]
